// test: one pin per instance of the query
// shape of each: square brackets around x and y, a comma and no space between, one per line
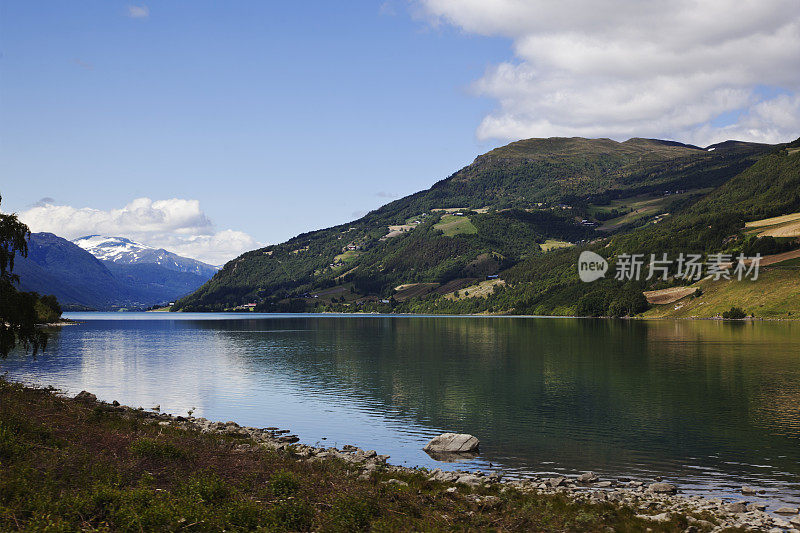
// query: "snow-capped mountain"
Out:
[124,251]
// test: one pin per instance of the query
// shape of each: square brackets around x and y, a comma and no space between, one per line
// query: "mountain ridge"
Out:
[127,251]
[507,205]
[81,281]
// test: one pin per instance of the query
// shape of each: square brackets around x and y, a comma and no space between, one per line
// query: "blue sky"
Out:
[279,118]
[267,119]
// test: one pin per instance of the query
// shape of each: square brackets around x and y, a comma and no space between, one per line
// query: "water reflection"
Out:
[710,404]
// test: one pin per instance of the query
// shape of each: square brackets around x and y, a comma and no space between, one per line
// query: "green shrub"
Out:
[9,444]
[154,449]
[291,515]
[207,488]
[350,513]
[284,484]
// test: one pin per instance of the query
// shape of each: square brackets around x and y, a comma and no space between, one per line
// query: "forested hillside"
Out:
[502,234]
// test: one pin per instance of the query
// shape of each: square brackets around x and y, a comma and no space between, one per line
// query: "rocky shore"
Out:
[656,502]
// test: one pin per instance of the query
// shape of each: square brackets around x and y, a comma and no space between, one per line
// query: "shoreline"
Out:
[423,315]
[656,502]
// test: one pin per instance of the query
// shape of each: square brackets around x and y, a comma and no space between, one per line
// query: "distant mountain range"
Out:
[107,273]
[120,250]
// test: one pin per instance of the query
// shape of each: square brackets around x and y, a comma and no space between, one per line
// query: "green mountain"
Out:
[434,250]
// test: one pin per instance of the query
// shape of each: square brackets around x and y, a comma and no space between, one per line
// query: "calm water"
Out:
[710,405]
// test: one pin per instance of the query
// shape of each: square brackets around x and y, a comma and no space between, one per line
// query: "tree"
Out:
[18,316]
[734,313]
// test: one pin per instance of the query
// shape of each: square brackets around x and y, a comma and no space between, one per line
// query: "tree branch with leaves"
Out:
[18,315]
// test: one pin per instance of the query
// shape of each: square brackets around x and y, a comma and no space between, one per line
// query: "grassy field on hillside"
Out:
[639,207]
[776,294]
[772,221]
[553,244]
[347,257]
[453,225]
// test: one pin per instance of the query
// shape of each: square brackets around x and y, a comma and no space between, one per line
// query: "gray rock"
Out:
[663,488]
[469,479]
[85,396]
[603,484]
[556,481]
[587,477]
[786,510]
[662,517]
[453,443]
[736,507]
[756,506]
[398,482]
[487,502]
[748,490]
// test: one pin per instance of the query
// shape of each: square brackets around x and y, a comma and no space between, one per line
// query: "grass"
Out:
[553,244]
[639,207]
[772,221]
[347,257]
[479,290]
[71,466]
[787,229]
[453,225]
[776,294]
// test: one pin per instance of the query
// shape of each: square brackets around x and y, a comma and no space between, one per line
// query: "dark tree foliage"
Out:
[734,313]
[18,314]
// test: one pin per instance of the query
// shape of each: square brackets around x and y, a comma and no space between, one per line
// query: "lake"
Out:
[709,405]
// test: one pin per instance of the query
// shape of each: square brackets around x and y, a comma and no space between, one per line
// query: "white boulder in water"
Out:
[453,443]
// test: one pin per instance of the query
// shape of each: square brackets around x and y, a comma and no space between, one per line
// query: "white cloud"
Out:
[177,225]
[138,12]
[622,68]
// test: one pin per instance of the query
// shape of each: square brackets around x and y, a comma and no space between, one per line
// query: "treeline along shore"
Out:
[73,464]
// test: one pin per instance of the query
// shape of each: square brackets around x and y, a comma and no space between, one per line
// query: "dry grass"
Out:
[413,290]
[772,221]
[791,229]
[480,290]
[668,296]
[776,294]
[779,258]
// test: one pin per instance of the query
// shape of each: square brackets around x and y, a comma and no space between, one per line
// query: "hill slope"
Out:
[78,279]
[716,223]
[498,212]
